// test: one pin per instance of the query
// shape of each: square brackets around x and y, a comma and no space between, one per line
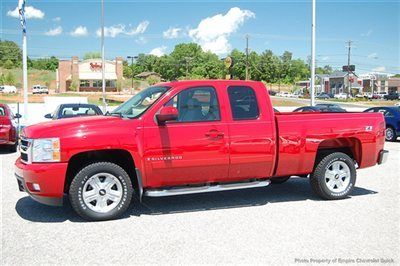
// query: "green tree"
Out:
[10,54]
[91,55]
[9,79]
[8,64]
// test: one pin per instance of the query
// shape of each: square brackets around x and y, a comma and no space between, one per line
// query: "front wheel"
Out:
[390,134]
[334,177]
[101,191]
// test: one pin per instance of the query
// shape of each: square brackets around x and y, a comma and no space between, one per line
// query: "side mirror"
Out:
[49,116]
[17,116]
[167,113]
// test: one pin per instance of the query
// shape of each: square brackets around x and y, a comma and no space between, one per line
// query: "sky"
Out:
[67,28]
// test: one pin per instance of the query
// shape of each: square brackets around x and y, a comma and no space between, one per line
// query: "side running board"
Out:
[202,189]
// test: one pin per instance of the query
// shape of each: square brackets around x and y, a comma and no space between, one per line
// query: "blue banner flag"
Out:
[21,10]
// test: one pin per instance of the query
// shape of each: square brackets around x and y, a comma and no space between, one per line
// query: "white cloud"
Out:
[379,69]
[373,55]
[30,12]
[172,33]
[54,32]
[141,28]
[79,31]
[212,33]
[115,30]
[141,40]
[56,19]
[112,31]
[368,33]
[159,51]
[325,58]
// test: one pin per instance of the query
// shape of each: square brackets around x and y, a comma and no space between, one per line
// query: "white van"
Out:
[8,89]
[38,89]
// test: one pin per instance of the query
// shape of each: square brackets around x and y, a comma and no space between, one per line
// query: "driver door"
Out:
[193,149]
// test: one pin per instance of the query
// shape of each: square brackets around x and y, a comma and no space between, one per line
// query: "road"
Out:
[279,225]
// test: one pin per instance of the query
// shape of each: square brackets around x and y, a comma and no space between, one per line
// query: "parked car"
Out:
[382,94]
[324,95]
[8,128]
[272,93]
[74,109]
[39,89]
[193,137]
[331,106]
[8,89]
[392,96]
[392,120]
[322,109]
[341,95]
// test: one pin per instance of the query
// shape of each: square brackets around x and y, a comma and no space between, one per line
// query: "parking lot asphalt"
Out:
[279,224]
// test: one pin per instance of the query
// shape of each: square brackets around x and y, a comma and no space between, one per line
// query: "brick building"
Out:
[86,75]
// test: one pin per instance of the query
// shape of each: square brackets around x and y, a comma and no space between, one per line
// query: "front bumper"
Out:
[383,155]
[49,177]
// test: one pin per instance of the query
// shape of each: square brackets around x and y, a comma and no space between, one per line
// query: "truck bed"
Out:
[301,135]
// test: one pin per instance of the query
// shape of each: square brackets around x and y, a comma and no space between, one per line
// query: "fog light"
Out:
[36,186]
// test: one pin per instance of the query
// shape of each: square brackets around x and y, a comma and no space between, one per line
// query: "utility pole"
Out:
[348,64]
[312,83]
[132,57]
[103,66]
[247,56]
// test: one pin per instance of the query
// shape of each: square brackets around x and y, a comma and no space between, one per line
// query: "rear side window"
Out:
[243,102]
[2,111]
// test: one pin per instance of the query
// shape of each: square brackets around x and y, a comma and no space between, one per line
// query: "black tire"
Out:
[78,183]
[319,181]
[280,180]
[390,134]
[13,147]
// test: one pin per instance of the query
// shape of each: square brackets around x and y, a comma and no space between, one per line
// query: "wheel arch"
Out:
[120,157]
[350,146]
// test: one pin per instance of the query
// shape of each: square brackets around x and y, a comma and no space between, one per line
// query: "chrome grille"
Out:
[25,149]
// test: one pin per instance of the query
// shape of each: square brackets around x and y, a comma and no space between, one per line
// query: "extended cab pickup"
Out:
[192,137]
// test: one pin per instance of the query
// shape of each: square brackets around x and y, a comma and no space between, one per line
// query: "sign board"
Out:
[349,68]
[228,62]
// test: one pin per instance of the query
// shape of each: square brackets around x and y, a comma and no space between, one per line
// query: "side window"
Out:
[243,102]
[196,104]
[2,111]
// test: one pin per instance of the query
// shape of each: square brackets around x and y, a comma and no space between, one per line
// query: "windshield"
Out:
[139,103]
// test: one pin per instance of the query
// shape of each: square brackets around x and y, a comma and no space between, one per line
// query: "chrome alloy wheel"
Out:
[102,192]
[337,176]
[389,133]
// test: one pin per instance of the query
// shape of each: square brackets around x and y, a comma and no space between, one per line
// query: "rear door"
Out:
[193,149]
[252,133]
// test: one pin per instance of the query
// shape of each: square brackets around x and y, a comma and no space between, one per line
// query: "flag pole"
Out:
[21,9]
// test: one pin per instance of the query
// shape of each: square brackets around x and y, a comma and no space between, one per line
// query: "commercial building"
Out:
[86,75]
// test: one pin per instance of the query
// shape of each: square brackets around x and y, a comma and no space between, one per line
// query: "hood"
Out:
[67,126]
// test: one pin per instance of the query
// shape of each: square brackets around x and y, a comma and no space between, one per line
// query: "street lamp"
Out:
[132,57]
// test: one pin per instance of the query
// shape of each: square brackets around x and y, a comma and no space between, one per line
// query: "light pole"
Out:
[132,57]
[312,85]
[103,66]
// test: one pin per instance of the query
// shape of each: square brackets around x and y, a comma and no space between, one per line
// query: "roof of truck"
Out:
[210,81]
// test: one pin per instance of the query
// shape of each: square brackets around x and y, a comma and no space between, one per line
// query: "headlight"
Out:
[46,150]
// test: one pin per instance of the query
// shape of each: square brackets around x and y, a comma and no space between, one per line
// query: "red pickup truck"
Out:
[192,137]
[8,128]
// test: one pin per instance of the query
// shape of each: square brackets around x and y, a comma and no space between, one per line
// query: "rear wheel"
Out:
[101,191]
[390,134]
[334,177]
